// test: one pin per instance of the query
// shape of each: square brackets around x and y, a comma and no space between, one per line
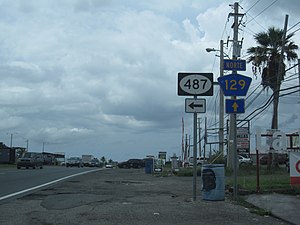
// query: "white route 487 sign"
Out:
[196,84]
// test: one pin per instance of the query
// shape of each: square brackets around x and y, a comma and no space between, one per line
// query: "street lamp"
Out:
[217,50]
[221,111]
[212,50]
[11,138]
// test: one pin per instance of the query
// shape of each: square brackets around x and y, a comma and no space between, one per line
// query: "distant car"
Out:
[132,163]
[109,166]
[31,159]
[74,161]
[200,161]
[95,163]
[244,160]
[282,159]
[263,160]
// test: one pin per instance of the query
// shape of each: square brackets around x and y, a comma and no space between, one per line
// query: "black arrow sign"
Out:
[193,105]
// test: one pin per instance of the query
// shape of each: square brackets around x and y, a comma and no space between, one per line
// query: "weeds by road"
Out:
[274,180]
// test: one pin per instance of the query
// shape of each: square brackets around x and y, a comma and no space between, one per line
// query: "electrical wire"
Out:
[293,26]
[253,5]
[265,9]
[296,30]
[269,101]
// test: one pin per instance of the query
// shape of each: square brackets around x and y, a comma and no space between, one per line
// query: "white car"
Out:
[244,160]
[109,166]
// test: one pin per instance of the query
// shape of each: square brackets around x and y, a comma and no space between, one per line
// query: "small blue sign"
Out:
[230,64]
[234,84]
[235,105]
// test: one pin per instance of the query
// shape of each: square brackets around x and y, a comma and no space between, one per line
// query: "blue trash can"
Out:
[213,182]
[149,165]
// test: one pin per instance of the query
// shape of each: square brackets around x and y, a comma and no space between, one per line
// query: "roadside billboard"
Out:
[295,168]
[243,140]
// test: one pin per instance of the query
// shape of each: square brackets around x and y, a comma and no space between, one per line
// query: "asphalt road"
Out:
[127,197]
[13,180]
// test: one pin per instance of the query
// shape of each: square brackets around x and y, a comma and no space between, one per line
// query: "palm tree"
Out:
[267,59]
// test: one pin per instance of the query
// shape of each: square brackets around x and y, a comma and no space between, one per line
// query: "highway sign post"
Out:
[236,65]
[195,84]
[235,84]
[195,105]
[235,105]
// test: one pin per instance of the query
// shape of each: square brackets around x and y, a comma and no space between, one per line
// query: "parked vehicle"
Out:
[95,162]
[74,161]
[31,159]
[132,163]
[200,161]
[263,160]
[86,160]
[109,166]
[244,160]
[282,159]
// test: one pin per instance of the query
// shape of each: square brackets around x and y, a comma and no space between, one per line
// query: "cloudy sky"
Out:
[100,76]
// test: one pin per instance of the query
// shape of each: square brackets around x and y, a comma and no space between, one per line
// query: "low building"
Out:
[7,154]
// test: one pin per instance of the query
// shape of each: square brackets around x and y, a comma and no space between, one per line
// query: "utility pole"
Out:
[27,145]
[234,56]
[186,149]
[221,112]
[299,74]
[11,140]
[279,78]
[189,147]
[233,128]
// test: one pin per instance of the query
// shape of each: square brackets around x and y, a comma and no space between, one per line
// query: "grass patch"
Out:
[5,165]
[188,172]
[275,180]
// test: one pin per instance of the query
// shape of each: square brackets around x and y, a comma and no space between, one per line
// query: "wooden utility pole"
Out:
[221,112]
[279,77]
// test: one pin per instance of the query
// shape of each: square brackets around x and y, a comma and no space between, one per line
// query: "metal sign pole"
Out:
[195,157]
[195,84]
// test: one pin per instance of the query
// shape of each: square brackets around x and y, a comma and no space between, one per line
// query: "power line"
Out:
[253,5]
[245,23]
[262,11]
[296,30]
[269,101]
[293,26]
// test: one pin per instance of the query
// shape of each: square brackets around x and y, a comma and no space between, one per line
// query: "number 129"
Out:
[234,85]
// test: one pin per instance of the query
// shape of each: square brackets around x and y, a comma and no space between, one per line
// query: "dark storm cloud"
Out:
[103,73]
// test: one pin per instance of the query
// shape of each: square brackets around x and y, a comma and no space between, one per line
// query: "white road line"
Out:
[46,184]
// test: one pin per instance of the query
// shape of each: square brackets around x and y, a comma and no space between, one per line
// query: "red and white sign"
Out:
[295,168]
[243,140]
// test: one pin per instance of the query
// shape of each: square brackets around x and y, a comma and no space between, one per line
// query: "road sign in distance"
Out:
[234,84]
[197,84]
[195,105]
[230,64]
[235,105]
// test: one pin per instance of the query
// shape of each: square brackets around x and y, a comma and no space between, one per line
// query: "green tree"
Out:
[103,160]
[266,59]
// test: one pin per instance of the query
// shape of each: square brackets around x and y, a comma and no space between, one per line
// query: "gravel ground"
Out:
[124,197]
